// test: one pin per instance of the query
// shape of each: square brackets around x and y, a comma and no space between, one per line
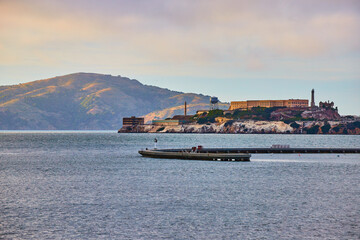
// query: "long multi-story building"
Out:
[268,103]
[133,121]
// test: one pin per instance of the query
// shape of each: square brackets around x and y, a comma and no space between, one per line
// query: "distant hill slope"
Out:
[84,101]
[179,110]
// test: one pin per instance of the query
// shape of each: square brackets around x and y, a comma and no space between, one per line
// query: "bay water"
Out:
[95,185]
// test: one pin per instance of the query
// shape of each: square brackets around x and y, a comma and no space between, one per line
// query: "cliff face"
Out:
[255,127]
[84,101]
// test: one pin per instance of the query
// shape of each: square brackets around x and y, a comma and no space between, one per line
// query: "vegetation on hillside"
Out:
[294,117]
[210,116]
[256,113]
[84,101]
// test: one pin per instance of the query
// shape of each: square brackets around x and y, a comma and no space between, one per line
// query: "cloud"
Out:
[177,36]
[212,31]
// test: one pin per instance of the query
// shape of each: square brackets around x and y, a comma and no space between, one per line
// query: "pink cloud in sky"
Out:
[250,34]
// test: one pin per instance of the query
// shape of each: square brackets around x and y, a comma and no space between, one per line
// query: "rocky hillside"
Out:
[84,101]
[256,127]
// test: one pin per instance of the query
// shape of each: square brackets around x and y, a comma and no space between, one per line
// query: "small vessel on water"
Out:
[196,153]
[238,154]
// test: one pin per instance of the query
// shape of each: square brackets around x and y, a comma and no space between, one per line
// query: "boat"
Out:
[194,153]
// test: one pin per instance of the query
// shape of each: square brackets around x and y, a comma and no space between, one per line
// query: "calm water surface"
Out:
[94,185]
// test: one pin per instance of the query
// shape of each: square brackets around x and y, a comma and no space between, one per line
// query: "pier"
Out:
[237,154]
[286,150]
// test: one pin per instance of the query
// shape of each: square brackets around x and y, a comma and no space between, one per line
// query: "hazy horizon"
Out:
[235,50]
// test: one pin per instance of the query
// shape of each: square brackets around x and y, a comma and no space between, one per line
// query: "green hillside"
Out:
[84,101]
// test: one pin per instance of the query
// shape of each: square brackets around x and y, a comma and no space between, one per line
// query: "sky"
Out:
[232,49]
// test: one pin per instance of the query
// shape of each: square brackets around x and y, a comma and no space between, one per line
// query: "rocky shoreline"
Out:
[254,127]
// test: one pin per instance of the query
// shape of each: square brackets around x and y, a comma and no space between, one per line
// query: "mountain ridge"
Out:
[84,101]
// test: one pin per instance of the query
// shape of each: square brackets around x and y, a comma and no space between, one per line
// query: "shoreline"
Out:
[254,127]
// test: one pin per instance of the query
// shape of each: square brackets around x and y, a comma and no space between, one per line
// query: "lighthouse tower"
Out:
[313,98]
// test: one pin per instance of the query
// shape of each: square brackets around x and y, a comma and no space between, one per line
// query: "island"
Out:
[292,116]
